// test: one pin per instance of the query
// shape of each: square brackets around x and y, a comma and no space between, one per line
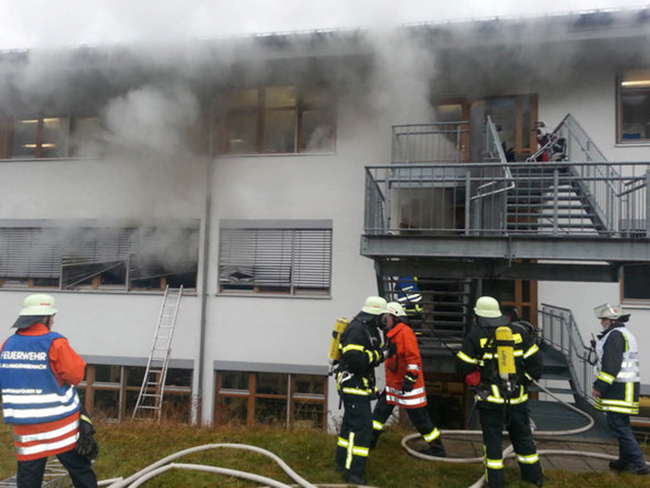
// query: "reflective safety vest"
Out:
[30,392]
[623,393]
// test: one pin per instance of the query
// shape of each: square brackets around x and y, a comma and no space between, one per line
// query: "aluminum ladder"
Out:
[149,404]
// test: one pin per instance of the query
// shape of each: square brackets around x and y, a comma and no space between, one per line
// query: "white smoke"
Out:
[152,120]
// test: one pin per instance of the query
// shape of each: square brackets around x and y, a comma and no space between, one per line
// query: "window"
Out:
[636,283]
[111,391]
[634,106]
[283,399]
[48,136]
[293,257]
[102,258]
[277,119]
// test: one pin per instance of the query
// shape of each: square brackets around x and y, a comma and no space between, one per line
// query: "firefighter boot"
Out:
[375,437]
[353,479]
[436,449]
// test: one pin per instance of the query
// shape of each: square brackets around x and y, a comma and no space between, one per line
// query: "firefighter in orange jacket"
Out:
[38,371]
[404,382]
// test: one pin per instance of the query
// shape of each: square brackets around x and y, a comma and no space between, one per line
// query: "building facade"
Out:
[237,169]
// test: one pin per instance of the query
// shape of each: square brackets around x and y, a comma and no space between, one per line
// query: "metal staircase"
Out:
[149,403]
[550,198]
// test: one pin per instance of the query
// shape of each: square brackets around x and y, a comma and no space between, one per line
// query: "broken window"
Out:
[267,256]
[77,257]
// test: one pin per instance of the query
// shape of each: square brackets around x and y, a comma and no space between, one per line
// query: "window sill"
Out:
[633,144]
[636,304]
[92,291]
[49,160]
[273,155]
[272,295]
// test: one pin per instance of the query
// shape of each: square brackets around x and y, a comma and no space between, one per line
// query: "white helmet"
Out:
[38,304]
[607,311]
[374,306]
[395,309]
[487,307]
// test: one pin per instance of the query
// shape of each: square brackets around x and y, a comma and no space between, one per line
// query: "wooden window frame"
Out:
[251,395]
[260,110]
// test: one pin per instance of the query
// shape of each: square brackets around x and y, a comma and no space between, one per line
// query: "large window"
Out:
[50,136]
[111,392]
[283,399]
[276,119]
[636,283]
[52,255]
[634,106]
[292,257]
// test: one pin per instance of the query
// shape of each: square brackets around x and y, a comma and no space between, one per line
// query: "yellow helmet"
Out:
[38,304]
[374,306]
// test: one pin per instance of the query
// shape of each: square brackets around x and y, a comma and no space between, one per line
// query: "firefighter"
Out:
[404,382]
[616,388]
[502,396]
[409,295]
[38,371]
[362,350]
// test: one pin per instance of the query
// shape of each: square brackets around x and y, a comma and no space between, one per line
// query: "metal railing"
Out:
[488,201]
[560,331]
[430,143]
[603,195]
[546,198]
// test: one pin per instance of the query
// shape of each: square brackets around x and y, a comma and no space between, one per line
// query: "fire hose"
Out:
[166,464]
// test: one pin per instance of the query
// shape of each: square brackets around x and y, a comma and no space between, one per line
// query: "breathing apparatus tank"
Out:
[505,354]
[335,353]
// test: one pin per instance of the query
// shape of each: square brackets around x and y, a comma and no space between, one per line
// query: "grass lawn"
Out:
[129,447]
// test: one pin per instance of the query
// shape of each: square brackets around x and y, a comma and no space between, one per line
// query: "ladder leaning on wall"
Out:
[149,404]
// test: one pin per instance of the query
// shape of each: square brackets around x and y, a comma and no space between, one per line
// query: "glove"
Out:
[86,444]
[391,349]
[473,378]
[409,381]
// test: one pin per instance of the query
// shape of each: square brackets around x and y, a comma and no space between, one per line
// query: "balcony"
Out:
[579,218]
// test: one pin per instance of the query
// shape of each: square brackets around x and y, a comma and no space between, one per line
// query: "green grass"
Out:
[129,447]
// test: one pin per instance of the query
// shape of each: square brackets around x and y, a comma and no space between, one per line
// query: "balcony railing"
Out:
[431,143]
[497,198]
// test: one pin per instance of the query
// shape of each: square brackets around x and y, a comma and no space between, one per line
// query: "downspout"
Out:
[207,215]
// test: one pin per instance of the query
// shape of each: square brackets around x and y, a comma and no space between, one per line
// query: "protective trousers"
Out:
[354,437]
[517,424]
[419,418]
[30,473]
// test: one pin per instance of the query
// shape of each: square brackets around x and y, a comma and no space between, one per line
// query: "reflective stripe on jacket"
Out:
[37,371]
[617,371]
[406,360]
[360,353]
[479,353]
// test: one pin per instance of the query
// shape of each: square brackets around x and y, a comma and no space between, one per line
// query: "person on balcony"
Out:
[502,396]
[617,386]
[404,382]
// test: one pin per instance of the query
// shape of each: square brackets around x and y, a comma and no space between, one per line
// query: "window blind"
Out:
[290,258]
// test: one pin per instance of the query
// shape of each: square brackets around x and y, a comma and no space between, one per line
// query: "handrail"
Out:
[559,330]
